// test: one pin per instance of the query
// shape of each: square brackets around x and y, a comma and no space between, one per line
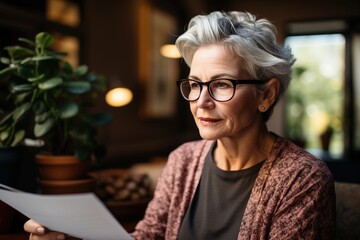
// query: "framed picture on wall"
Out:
[157,73]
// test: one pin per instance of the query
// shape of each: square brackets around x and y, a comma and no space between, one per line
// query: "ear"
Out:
[269,96]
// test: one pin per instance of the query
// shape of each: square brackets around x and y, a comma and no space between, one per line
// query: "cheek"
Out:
[246,97]
[242,109]
[193,108]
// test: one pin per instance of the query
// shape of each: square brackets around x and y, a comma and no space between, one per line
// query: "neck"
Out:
[233,154]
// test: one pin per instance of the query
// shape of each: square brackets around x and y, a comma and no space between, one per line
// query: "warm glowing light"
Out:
[118,97]
[170,51]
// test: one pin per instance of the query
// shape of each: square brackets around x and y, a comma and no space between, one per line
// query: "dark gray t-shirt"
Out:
[219,203]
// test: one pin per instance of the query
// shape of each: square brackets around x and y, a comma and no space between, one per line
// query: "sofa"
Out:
[347,211]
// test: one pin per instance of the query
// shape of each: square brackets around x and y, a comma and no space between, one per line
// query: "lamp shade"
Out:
[170,51]
[118,97]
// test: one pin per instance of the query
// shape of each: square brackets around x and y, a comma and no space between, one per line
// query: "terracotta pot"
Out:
[67,186]
[61,167]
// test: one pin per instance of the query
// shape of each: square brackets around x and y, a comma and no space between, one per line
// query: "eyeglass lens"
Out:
[220,90]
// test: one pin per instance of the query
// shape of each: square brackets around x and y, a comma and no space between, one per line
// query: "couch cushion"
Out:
[347,210]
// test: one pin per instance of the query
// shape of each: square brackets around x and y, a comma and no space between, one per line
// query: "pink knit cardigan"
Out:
[293,196]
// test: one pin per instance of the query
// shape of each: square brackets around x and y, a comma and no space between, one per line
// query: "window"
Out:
[315,98]
[322,104]
[356,94]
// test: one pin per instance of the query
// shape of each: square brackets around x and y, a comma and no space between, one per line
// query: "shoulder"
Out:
[290,161]
[192,149]
[188,155]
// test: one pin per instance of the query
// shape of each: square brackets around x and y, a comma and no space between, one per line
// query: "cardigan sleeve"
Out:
[174,191]
[293,197]
[153,226]
[307,208]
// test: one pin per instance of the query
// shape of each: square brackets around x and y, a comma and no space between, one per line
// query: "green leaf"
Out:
[41,129]
[40,118]
[24,61]
[100,84]
[43,58]
[39,59]
[78,87]
[97,81]
[5,60]
[6,71]
[67,68]
[18,52]
[68,109]
[20,98]
[4,135]
[5,125]
[19,136]
[81,133]
[25,72]
[58,55]
[51,83]
[28,41]
[81,70]
[35,79]
[21,88]
[5,122]
[44,39]
[91,77]
[39,107]
[21,110]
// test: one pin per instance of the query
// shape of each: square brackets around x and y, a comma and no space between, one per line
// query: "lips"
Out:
[207,121]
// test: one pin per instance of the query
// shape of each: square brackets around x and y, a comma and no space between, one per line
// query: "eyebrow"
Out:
[222,75]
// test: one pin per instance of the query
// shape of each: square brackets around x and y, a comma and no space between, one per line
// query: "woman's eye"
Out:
[222,84]
[194,85]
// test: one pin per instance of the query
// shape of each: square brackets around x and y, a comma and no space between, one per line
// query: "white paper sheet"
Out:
[80,215]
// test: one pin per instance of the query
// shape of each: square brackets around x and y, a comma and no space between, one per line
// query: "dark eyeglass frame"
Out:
[207,84]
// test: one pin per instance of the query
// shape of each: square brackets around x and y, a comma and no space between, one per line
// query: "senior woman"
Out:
[241,181]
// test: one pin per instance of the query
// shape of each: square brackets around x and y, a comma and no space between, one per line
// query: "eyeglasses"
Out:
[221,89]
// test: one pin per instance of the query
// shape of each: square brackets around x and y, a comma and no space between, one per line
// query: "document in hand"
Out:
[79,215]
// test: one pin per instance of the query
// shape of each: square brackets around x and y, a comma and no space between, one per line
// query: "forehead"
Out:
[215,59]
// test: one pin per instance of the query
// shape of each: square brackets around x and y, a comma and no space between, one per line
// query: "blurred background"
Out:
[123,40]
[129,42]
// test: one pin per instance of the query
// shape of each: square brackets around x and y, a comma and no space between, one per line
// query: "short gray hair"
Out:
[253,40]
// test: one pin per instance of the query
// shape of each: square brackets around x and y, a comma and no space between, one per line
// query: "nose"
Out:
[205,100]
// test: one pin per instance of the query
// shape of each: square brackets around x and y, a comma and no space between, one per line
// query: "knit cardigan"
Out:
[293,196]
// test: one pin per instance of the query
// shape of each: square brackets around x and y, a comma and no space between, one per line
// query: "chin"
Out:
[208,136]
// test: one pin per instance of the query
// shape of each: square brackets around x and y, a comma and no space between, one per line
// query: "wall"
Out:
[111,48]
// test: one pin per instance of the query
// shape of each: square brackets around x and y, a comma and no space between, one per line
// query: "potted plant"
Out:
[53,105]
